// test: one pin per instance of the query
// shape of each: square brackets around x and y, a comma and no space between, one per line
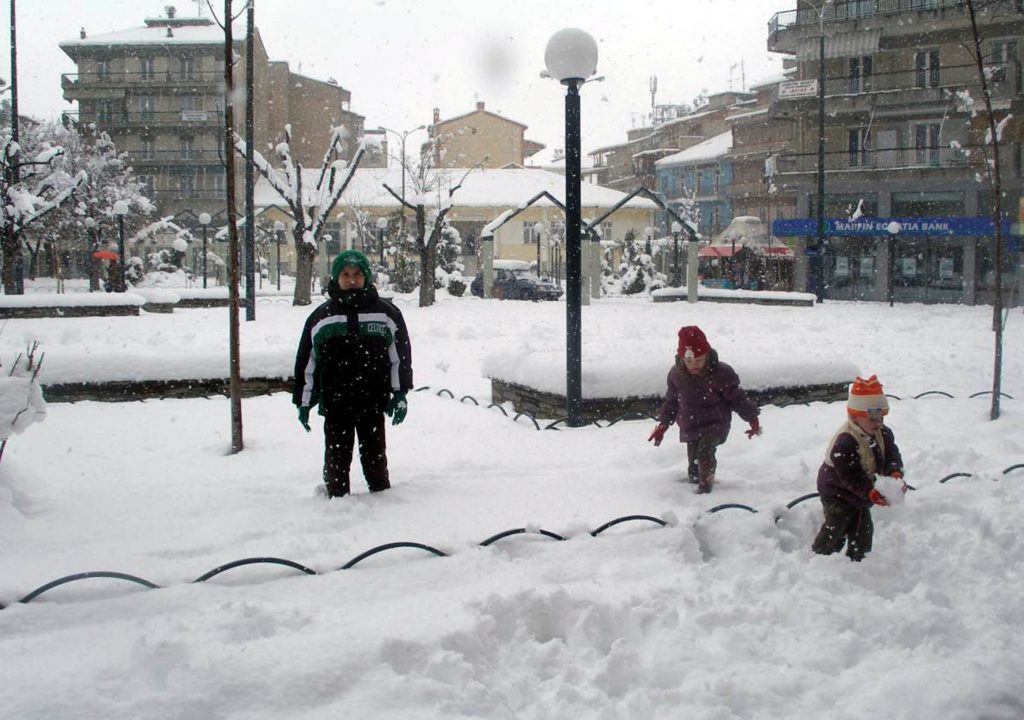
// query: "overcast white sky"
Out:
[402,58]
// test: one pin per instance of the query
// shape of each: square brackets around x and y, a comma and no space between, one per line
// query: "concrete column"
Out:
[487,264]
[692,260]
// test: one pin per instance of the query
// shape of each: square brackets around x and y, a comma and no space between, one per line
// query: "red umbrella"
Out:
[105,255]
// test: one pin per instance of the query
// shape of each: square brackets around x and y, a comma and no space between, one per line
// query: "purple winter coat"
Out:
[703,404]
[846,479]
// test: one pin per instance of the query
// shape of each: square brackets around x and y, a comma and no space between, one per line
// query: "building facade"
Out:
[158,90]
[479,139]
[907,194]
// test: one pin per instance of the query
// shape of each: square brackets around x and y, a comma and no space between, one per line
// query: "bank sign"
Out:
[891,227]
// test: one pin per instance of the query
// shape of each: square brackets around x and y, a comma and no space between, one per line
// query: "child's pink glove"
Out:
[877,498]
[755,429]
[658,435]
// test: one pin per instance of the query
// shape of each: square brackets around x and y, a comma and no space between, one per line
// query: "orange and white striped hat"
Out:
[867,398]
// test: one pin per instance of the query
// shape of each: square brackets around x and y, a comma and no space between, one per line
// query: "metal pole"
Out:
[574,324]
[250,230]
[120,247]
[380,240]
[278,244]
[818,260]
[890,270]
[204,256]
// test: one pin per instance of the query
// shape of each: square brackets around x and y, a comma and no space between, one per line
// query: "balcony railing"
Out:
[900,158]
[115,117]
[854,10]
[141,158]
[1004,81]
[134,79]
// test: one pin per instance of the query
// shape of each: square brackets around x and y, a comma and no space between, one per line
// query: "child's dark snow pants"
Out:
[844,524]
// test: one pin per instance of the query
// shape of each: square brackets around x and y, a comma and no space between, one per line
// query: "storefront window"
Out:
[853,267]
[985,265]
[933,266]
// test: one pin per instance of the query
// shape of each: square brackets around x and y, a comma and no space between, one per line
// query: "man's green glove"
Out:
[397,408]
[304,417]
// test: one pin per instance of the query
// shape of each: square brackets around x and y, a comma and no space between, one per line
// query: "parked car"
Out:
[515,280]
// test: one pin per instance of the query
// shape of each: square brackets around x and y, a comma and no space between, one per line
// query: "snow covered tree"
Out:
[449,268]
[427,240]
[637,273]
[310,208]
[21,396]
[33,184]
[110,178]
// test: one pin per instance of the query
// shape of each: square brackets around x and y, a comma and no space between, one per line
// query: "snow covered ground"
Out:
[715,615]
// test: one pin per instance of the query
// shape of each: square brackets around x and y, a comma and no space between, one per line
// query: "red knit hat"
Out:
[692,342]
[867,398]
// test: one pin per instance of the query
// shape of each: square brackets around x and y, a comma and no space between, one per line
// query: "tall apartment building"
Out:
[906,193]
[158,90]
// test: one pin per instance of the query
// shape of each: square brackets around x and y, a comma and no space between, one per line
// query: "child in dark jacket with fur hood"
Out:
[862,448]
[702,395]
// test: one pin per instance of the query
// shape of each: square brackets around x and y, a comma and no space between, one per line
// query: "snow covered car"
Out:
[514,280]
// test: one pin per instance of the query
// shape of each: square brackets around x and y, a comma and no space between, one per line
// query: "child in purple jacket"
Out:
[702,395]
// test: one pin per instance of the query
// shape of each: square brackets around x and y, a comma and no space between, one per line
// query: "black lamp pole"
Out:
[573,256]
[676,280]
[120,249]
[204,256]
[818,259]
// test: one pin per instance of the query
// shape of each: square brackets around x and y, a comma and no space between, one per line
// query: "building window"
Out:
[147,183]
[926,68]
[189,103]
[147,68]
[219,183]
[187,68]
[186,186]
[147,106]
[148,150]
[859,79]
[926,144]
[103,70]
[104,110]
[859,144]
[186,148]
[718,178]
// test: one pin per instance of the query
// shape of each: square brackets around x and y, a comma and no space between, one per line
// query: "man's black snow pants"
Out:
[340,432]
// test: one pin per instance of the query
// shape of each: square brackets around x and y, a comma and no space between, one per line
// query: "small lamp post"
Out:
[403,135]
[204,222]
[538,231]
[676,229]
[120,210]
[278,239]
[571,57]
[382,225]
[648,239]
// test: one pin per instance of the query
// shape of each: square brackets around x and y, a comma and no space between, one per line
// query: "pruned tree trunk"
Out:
[427,248]
[235,374]
[997,216]
[305,255]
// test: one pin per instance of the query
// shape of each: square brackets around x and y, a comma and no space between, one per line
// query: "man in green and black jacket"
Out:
[354,361]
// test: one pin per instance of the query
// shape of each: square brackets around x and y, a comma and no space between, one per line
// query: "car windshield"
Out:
[525,275]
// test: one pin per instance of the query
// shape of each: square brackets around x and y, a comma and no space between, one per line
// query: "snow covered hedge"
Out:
[21,396]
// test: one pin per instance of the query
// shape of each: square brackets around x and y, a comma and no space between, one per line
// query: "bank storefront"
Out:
[921,259]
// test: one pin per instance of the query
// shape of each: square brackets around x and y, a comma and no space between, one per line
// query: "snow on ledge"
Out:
[76,299]
[702,291]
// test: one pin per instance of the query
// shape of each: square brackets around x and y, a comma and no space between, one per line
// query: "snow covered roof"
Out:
[711,149]
[488,188]
[191,34]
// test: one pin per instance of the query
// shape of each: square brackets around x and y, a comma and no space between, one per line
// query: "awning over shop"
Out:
[725,251]
[862,42]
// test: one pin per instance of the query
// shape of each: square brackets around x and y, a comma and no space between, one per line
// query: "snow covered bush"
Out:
[21,396]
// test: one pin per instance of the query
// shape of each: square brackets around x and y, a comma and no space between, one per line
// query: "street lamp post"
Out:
[648,239]
[538,231]
[278,238]
[120,210]
[571,58]
[676,229]
[403,135]
[204,222]
[382,225]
